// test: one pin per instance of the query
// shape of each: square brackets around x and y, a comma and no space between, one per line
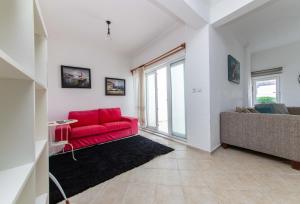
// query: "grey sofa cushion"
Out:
[273,108]
[280,108]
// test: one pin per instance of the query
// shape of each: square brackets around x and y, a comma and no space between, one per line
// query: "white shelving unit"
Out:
[13,181]
[42,199]
[39,147]
[23,104]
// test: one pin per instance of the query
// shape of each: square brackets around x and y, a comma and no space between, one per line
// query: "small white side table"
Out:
[62,142]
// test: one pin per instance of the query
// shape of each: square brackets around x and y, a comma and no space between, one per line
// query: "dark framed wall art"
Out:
[115,87]
[233,70]
[75,77]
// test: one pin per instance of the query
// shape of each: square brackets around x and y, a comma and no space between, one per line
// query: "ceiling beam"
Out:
[192,12]
[228,10]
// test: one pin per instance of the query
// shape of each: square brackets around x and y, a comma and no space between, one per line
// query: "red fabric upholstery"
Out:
[98,139]
[118,125]
[109,115]
[133,122]
[95,127]
[85,131]
[89,117]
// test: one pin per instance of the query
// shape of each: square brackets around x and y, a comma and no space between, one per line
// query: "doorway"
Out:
[165,99]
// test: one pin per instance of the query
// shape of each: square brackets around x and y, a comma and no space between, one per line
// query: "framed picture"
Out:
[233,70]
[114,87]
[75,77]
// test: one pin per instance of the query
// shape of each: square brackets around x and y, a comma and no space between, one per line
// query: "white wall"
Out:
[201,7]
[196,77]
[206,72]
[287,57]
[224,95]
[225,11]
[103,63]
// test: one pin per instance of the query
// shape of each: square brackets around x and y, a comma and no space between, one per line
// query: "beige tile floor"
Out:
[191,176]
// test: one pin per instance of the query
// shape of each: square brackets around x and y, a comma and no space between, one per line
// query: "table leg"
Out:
[61,134]
[61,137]
[72,150]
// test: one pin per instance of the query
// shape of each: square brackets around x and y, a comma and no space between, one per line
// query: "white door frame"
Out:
[147,113]
[178,135]
[169,100]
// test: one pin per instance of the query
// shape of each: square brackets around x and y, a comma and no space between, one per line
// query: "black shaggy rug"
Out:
[99,163]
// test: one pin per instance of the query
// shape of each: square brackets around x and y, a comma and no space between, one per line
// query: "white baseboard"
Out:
[164,136]
[175,140]
[215,148]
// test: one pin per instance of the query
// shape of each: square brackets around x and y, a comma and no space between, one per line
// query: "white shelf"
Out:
[10,69]
[40,47]
[39,147]
[17,30]
[39,22]
[23,88]
[13,181]
[42,199]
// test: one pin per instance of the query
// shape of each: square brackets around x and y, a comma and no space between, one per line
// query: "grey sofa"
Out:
[274,134]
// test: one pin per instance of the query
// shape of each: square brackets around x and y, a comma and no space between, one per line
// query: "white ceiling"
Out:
[274,24]
[212,2]
[134,22]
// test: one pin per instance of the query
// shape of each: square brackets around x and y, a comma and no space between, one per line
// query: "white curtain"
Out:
[139,89]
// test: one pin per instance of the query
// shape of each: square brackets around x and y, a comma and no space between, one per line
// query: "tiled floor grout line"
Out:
[123,197]
[220,177]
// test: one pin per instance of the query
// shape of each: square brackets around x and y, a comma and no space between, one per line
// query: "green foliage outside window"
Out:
[266,99]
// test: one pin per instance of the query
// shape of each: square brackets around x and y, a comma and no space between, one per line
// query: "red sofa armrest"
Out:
[62,132]
[134,123]
[129,119]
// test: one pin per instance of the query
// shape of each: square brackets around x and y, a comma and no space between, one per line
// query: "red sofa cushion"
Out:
[88,130]
[109,115]
[119,125]
[89,117]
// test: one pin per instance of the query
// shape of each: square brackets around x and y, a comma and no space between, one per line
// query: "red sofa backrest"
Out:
[87,117]
[109,115]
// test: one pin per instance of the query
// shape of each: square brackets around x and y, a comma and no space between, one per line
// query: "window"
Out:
[178,102]
[266,90]
[151,100]
[165,99]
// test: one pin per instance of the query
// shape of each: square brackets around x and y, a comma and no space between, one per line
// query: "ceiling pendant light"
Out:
[108,34]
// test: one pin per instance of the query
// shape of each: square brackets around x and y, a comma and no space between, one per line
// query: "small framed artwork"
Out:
[75,77]
[233,70]
[114,87]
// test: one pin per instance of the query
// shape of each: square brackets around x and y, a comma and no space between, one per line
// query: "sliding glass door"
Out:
[151,100]
[178,102]
[165,101]
[162,100]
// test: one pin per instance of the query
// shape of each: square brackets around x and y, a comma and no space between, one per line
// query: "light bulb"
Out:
[108,37]
[108,34]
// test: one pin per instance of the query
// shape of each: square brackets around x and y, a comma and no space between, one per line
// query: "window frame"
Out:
[264,78]
[178,135]
[153,69]
[146,101]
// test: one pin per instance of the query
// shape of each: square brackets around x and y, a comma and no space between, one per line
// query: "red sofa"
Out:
[96,126]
